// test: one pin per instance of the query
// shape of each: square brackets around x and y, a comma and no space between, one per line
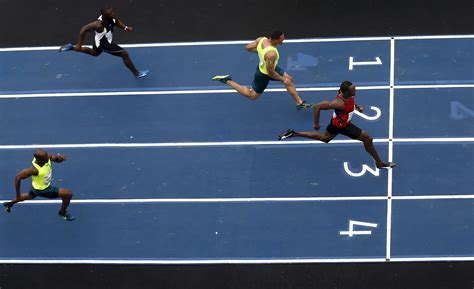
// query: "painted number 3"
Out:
[365,169]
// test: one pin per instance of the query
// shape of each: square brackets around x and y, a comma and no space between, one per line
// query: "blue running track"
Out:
[175,168]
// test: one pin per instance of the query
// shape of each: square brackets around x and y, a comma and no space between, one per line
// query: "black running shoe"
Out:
[287,134]
[304,105]
[7,206]
[66,216]
[387,165]
[222,78]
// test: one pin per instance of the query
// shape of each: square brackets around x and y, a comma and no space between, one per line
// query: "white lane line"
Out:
[166,92]
[423,86]
[430,259]
[230,261]
[198,261]
[214,91]
[229,143]
[182,144]
[434,197]
[433,37]
[211,200]
[390,151]
[249,200]
[440,139]
[241,42]
[205,43]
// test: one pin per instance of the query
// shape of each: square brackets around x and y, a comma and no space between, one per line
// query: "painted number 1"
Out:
[353,63]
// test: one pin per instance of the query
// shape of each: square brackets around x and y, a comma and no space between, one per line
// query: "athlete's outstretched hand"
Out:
[58,158]
[129,29]
[77,47]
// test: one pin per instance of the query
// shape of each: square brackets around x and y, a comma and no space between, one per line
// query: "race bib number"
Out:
[349,117]
[47,179]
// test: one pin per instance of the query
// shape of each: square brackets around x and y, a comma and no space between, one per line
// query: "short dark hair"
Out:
[103,9]
[345,87]
[276,34]
[40,154]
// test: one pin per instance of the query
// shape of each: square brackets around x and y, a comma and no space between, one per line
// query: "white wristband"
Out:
[125,28]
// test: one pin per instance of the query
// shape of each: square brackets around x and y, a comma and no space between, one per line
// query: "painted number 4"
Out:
[353,232]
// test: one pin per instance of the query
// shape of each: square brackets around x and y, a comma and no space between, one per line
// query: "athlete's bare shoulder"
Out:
[94,25]
[266,42]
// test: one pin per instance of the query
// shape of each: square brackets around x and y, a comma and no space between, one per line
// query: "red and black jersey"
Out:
[341,118]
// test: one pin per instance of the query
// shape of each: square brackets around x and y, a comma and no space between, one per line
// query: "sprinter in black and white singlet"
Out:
[103,39]
[103,28]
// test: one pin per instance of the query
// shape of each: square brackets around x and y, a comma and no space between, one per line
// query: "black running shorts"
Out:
[110,48]
[349,130]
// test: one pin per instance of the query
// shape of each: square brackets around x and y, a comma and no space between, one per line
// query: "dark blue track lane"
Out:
[433,168]
[434,61]
[189,67]
[216,172]
[424,228]
[171,118]
[445,112]
[251,229]
[266,230]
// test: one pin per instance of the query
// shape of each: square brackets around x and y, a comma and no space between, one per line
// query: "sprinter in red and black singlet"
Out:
[341,123]
[103,28]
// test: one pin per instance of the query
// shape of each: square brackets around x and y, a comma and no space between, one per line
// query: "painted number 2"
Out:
[377,115]
[365,169]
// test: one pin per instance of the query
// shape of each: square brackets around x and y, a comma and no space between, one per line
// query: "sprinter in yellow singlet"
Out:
[267,70]
[41,174]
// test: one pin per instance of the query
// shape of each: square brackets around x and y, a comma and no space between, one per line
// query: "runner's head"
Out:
[41,156]
[347,89]
[107,12]
[277,37]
